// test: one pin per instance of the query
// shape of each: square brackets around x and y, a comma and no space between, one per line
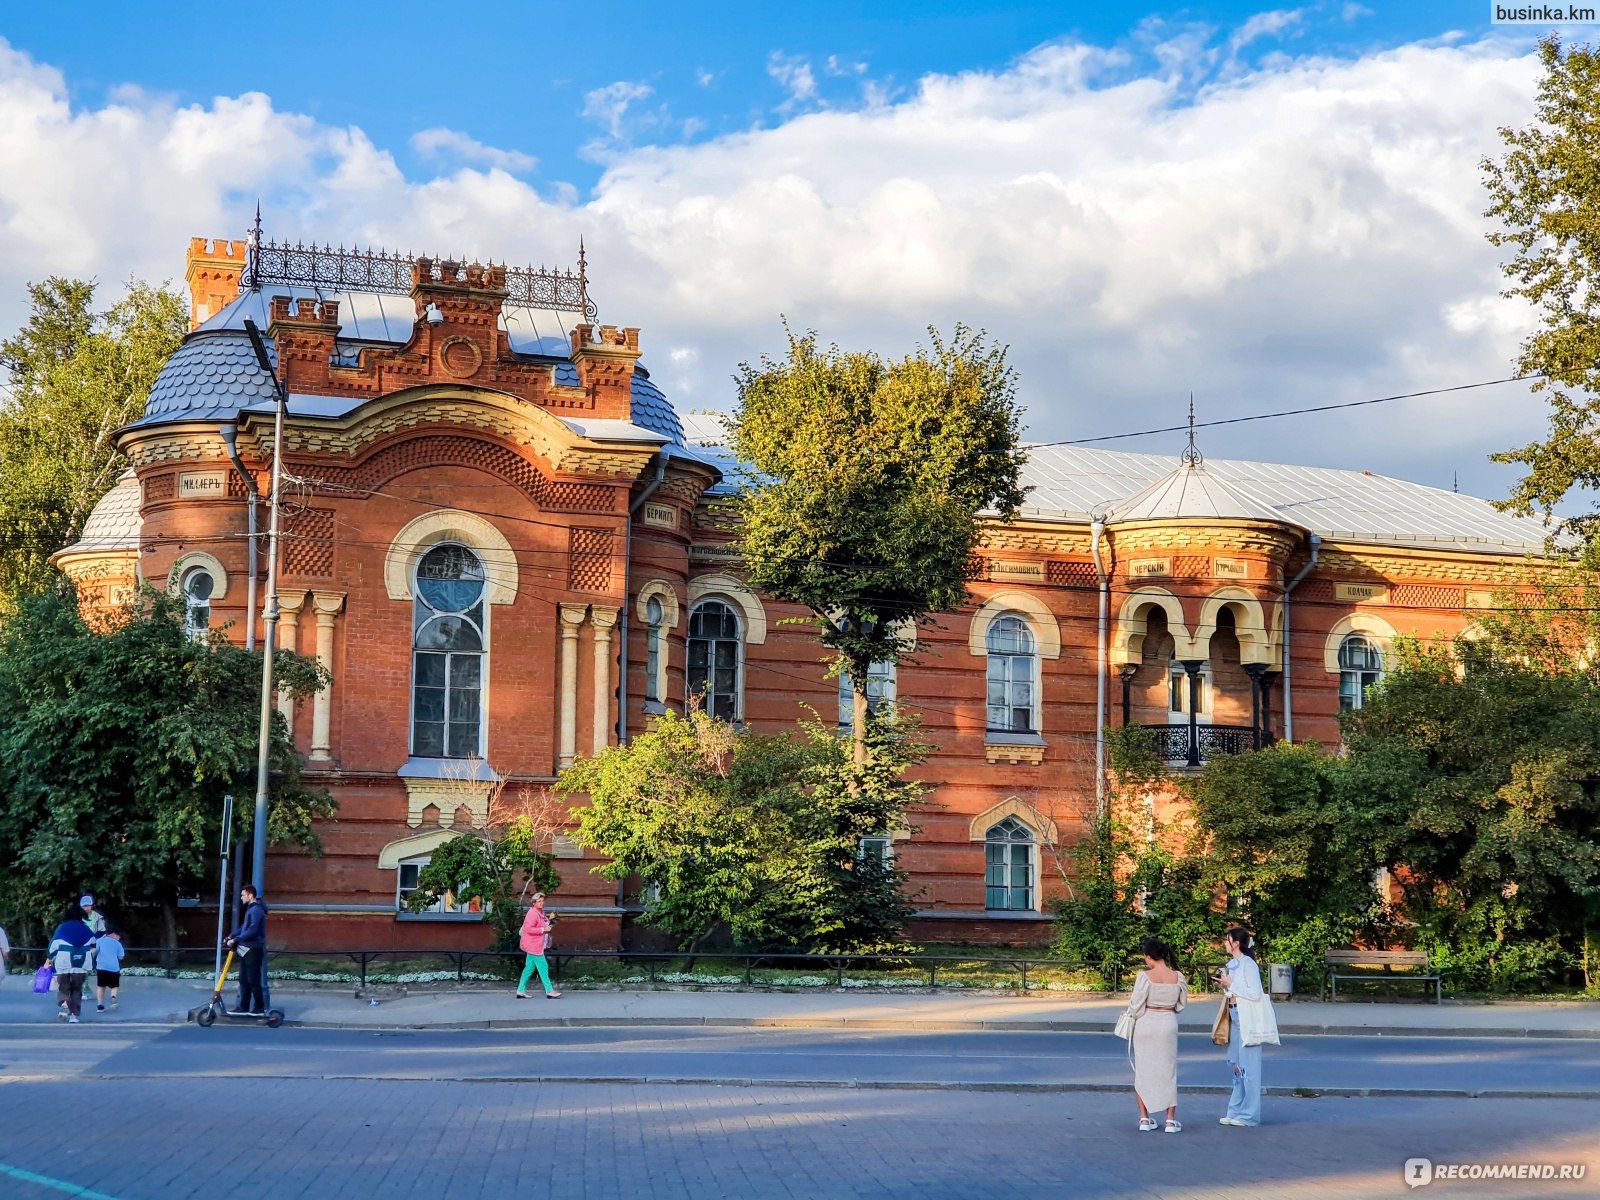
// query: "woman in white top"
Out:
[1159,995]
[1252,1025]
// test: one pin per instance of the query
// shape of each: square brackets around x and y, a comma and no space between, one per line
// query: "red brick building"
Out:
[494,517]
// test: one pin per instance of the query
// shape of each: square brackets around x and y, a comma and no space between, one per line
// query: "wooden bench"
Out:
[1419,969]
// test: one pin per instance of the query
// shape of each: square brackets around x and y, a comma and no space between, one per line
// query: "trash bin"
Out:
[1281,980]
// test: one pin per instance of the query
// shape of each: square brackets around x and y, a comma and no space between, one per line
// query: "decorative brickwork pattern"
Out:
[308,544]
[589,559]
[488,457]
[1411,595]
[1191,566]
[1071,574]
[160,487]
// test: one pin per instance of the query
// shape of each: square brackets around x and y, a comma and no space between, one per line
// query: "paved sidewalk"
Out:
[147,1000]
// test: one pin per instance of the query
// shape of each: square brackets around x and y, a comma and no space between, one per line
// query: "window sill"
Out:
[1013,748]
[459,918]
[455,770]
[653,708]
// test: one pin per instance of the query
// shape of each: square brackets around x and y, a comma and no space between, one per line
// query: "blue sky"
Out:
[524,77]
[1272,207]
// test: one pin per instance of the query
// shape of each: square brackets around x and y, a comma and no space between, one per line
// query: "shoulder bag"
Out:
[1222,1025]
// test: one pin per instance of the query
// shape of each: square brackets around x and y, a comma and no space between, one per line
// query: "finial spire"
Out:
[1191,455]
[250,281]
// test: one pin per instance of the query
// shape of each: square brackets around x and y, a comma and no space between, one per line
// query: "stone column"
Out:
[604,619]
[289,605]
[571,618]
[326,605]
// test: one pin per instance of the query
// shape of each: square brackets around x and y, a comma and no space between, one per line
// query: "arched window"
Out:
[714,656]
[1008,866]
[1360,666]
[197,586]
[655,618]
[448,644]
[880,691]
[1012,676]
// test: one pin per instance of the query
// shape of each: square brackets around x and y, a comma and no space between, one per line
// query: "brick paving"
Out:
[170,1138]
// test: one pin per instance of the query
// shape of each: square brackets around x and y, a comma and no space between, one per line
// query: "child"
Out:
[108,968]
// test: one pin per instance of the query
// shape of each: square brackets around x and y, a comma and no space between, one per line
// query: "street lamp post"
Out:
[269,631]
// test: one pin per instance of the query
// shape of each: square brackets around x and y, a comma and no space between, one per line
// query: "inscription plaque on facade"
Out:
[1150,568]
[661,516]
[1361,593]
[202,485]
[1016,572]
[1230,568]
[1476,598]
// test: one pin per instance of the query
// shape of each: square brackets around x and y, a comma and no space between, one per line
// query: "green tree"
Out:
[1543,194]
[753,835]
[867,480]
[75,377]
[501,863]
[116,747]
[1481,775]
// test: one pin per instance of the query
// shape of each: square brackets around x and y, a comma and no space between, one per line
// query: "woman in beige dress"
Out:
[1159,995]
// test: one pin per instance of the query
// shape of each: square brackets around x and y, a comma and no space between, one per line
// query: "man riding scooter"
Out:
[249,941]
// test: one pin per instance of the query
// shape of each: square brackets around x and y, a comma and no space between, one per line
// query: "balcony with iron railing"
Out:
[1195,740]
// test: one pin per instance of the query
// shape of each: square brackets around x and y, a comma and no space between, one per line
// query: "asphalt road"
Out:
[970,1060]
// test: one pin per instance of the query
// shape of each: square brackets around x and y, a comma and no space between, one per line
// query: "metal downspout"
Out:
[230,439]
[627,593]
[1288,699]
[1097,528]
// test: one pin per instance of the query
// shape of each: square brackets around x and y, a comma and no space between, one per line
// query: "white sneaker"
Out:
[1174,1127]
[72,1020]
[1147,1124]
[1229,1121]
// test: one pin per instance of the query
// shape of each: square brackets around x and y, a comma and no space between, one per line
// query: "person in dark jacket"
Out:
[249,939]
[72,955]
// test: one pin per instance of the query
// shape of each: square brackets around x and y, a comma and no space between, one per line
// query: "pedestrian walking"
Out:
[535,937]
[1251,1025]
[92,916]
[1160,993]
[107,968]
[5,953]
[249,940]
[71,953]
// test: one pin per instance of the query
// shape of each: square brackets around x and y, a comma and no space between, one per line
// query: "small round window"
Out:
[450,579]
[653,612]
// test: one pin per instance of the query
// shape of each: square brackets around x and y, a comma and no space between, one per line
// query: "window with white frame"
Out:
[449,904]
[714,657]
[1188,694]
[880,691]
[1008,867]
[1012,675]
[448,649]
[1360,666]
[655,618]
[874,848]
[197,586]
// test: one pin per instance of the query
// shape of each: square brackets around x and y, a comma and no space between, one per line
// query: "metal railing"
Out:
[1200,743]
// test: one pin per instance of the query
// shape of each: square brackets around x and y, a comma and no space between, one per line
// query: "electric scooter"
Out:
[208,1015]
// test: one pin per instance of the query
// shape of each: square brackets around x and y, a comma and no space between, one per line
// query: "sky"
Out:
[1271,208]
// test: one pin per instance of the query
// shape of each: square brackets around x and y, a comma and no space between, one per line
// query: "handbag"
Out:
[43,978]
[1124,1027]
[1222,1026]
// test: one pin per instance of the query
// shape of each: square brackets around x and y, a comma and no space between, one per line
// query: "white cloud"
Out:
[1267,24]
[451,143]
[608,106]
[704,77]
[1303,233]
[793,74]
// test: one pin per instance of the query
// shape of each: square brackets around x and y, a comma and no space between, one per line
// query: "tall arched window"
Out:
[448,644]
[197,586]
[1012,676]
[1008,866]
[655,617]
[714,655]
[1360,666]
[880,691]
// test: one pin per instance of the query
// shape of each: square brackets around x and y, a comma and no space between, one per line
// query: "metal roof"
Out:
[113,523]
[1071,483]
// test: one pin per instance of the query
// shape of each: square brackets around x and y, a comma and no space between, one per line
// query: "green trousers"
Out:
[535,962]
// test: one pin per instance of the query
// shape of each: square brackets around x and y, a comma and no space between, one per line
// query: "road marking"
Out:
[60,1185]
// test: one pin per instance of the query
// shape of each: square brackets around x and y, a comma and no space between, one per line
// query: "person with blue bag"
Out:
[71,954]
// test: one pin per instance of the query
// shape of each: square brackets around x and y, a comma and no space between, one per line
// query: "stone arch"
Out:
[1013,806]
[1127,642]
[391,856]
[451,525]
[1046,633]
[1374,626]
[719,585]
[661,590]
[1249,625]
[199,558]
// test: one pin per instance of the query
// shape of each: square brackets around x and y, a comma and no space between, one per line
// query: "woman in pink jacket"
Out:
[535,932]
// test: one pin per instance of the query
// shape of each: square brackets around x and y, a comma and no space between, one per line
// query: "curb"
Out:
[912,1024]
